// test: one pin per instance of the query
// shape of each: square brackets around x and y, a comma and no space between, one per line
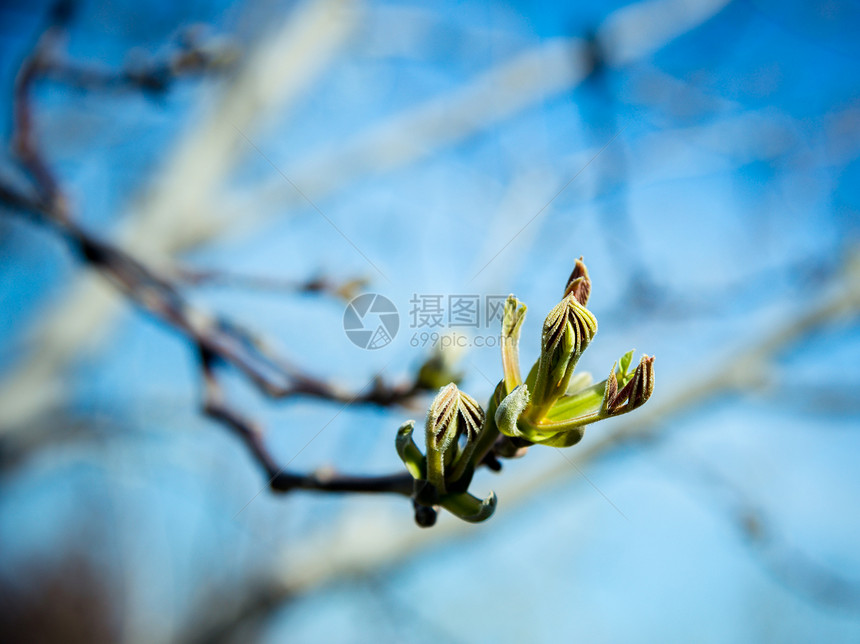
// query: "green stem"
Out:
[490,433]
[554,427]
[578,403]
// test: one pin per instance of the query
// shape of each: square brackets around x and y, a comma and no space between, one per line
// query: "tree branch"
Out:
[176,213]
[216,339]
[280,480]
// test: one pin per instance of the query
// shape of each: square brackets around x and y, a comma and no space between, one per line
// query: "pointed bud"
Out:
[567,331]
[453,414]
[611,390]
[634,394]
[579,284]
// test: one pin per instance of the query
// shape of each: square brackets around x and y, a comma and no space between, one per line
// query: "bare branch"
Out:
[215,338]
[345,290]
[281,480]
[155,294]
[175,213]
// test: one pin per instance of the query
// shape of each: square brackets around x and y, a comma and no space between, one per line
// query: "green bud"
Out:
[453,414]
[509,410]
[408,451]
[567,331]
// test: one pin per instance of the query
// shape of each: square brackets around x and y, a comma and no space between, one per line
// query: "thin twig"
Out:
[345,290]
[175,214]
[281,480]
[215,338]
[158,296]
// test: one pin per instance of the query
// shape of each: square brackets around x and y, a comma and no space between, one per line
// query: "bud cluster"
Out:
[454,425]
[551,406]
